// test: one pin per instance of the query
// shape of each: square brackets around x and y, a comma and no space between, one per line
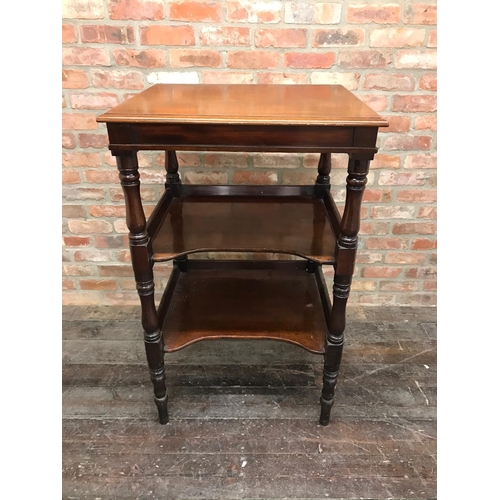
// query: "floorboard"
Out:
[244,414]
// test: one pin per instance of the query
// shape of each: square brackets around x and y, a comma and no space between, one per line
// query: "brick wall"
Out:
[385,52]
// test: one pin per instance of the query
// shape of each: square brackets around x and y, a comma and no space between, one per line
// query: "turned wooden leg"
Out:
[345,256]
[172,168]
[143,272]
[323,178]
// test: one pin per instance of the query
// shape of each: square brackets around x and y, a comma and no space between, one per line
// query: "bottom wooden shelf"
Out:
[245,300]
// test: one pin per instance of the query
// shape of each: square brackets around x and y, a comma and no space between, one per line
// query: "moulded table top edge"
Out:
[245,104]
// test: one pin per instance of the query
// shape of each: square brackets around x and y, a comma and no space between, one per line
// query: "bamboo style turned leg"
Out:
[143,272]
[345,258]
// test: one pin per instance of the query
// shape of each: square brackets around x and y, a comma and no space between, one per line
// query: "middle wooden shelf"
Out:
[270,219]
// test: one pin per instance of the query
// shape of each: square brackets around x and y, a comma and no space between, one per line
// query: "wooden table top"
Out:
[245,104]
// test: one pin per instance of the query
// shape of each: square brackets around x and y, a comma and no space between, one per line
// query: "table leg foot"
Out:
[161,404]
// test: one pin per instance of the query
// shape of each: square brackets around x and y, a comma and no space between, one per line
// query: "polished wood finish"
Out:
[203,300]
[279,303]
[245,104]
[272,224]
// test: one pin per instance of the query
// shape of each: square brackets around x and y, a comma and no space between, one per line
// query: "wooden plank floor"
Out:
[243,415]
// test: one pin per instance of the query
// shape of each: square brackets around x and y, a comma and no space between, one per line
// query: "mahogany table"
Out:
[283,299]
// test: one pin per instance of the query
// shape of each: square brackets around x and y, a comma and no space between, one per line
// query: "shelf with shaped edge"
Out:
[269,219]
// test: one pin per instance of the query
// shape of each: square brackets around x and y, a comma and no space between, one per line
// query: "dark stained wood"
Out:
[283,301]
[277,304]
[270,224]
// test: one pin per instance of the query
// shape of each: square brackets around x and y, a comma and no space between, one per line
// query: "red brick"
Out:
[428,81]
[418,195]
[397,124]
[408,142]
[397,37]
[414,59]
[414,228]
[68,284]
[388,81]
[120,226]
[338,37]
[81,56]
[367,13]
[254,59]
[92,256]
[147,194]
[414,103]
[374,228]
[93,140]
[63,102]
[281,78]
[430,286]
[298,177]
[376,102]
[349,80]
[427,213]
[70,177]
[205,177]
[117,79]
[73,270]
[385,243]
[224,35]
[396,286]
[136,9]
[73,211]
[280,38]
[101,176]
[76,241]
[196,11]
[124,256]
[110,241]
[89,226]
[420,13]
[276,160]
[150,58]
[364,59]
[69,34]
[385,161]
[74,79]
[99,33]
[83,9]
[98,284]
[184,159]
[101,100]
[421,272]
[81,160]
[78,121]
[404,258]
[226,160]
[118,270]
[381,272]
[253,12]
[167,35]
[380,195]
[107,210]
[419,161]
[427,122]
[423,244]
[83,193]
[68,140]
[226,77]
[432,42]
[185,58]
[309,59]
[393,212]
[368,257]
[257,178]
[402,178]
[339,161]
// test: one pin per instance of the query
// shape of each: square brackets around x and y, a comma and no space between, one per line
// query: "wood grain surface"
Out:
[245,104]
[243,416]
